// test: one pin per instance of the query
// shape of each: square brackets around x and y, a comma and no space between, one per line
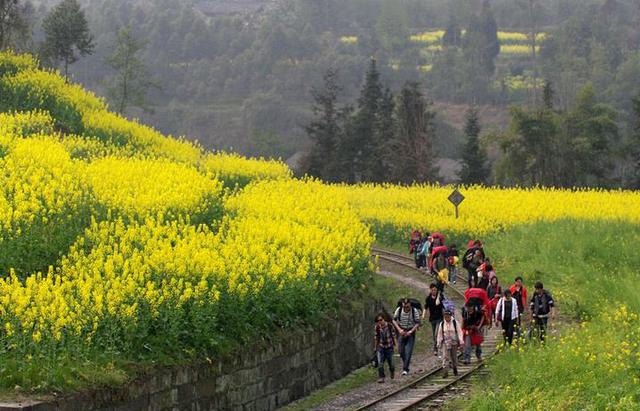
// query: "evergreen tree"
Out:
[474,159]
[592,135]
[392,26]
[132,81]
[359,146]
[413,150]
[326,130]
[14,25]
[384,136]
[635,143]
[547,95]
[66,33]
[481,47]
[453,33]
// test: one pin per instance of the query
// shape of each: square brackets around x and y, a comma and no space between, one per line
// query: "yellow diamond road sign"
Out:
[456,197]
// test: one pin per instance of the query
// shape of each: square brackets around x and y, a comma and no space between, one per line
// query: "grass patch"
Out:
[592,270]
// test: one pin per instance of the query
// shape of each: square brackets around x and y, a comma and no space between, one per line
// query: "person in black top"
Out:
[433,304]
[542,308]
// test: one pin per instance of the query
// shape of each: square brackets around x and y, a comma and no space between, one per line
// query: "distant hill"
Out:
[227,7]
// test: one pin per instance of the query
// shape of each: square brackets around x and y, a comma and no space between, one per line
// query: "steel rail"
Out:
[430,391]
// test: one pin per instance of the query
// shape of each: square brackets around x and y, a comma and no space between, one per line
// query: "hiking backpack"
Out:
[415,304]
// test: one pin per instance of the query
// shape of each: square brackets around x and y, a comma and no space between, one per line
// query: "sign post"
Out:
[456,198]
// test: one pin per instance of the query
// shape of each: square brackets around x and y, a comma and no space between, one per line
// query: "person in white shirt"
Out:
[507,314]
[449,338]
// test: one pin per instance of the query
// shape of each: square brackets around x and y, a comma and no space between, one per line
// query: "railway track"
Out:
[425,392]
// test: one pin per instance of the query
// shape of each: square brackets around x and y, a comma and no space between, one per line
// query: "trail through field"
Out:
[422,360]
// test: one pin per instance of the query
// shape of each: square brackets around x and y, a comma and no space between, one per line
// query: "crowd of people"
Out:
[486,304]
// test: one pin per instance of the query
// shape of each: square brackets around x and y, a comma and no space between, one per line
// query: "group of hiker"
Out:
[485,304]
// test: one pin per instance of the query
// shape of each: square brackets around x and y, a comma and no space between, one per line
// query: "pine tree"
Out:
[384,136]
[413,150]
[453,33]
[547,95]
[66,33]
[326,130]
[635,142]
[474,159]
[481,47]
[359,147]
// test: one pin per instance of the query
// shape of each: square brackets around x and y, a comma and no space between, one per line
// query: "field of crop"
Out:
[591,267]
[512,43]
[393,211]
[581,244]
[121,247]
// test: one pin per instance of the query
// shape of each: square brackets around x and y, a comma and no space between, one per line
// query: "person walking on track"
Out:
[473,319]
[384,341]
[434,305]
[406,319]
[449,339]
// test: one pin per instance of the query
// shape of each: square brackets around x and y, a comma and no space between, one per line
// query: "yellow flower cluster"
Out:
[517,49]
[509,37]
[427,37]
[350,40]
[23,87]
[12,63]
[38,180]
[131,279]
[142,187]
[505,37]
[44,202]
[24,124]
[393,211]
[114,129]
[238,171]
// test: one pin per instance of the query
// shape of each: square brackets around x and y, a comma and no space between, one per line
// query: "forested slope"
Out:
[243,80]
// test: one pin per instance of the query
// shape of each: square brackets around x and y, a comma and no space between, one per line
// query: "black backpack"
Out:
[415,304]
[518,297]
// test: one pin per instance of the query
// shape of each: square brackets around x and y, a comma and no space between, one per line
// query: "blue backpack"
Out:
[448,305]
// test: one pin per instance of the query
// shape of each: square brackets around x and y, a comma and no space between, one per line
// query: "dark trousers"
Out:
[472,277]
[434,328]
[405,346]
[541,325]
[507,329]
[385,354]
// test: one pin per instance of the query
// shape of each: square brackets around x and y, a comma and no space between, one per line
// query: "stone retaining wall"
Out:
[258,378]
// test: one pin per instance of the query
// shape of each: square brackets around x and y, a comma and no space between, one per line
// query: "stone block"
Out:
[160,400]
[186,393]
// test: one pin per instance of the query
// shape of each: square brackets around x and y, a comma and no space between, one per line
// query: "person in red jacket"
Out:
[519,293]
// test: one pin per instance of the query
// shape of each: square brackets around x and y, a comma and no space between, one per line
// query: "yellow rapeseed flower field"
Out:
[143,187]
[393,211]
